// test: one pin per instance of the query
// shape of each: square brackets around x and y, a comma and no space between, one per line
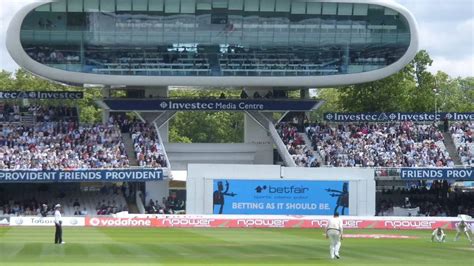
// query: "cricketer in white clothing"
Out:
[463,228]
[334,232]
[58,223]
[438,235]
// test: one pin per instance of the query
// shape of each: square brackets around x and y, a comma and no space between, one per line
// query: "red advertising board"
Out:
[120,222]
[216,221]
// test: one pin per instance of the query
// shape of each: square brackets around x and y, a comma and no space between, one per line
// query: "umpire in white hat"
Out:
[58,222]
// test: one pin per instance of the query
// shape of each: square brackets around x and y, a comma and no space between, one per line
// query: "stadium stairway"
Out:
[128,142]
[451,148]
[307,141]
[27,119]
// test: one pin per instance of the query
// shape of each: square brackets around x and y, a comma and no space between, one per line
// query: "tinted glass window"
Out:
[214,37]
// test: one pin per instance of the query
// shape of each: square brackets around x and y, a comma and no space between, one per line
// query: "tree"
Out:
[409,90]
[206,127]
[386,95]
[332,103]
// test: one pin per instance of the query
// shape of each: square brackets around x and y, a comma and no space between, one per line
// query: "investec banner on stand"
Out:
[211,105]
[45,221]
[396,116]
[437,173]
[235,196]
[112,175]
[60,95]
[272,221]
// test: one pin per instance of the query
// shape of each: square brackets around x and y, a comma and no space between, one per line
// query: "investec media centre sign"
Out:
[210,105]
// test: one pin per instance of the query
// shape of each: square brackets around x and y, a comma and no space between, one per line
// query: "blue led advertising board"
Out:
[280,197]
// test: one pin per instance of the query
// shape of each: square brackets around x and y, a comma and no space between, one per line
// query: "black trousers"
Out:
[58,236]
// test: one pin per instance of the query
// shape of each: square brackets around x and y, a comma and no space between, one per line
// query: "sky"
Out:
[446,29]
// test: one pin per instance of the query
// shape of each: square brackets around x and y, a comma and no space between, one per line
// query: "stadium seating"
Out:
[438,200]
[369,145]
[302,154]
[27,200]
[53,139]
[148,149]
[61,145]
[462,134]
[36,113]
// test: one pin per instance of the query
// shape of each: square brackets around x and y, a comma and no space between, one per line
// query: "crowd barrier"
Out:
[241,221]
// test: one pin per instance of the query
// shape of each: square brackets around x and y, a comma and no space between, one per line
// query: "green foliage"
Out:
[206,127]
[332,103]
[204,93]
[412,89]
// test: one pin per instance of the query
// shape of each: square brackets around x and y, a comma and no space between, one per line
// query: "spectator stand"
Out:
[404,144]
[90,199]
[433,198]
[463,135]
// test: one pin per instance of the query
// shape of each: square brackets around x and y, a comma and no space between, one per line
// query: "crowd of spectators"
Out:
[53,113]
[147,146]
[61,145]
[13,113]
[32,207]
[23,207]
[463,135]
[301,153]
[47,55]
[438,200]
[404,144]
[170,205]
[109,207]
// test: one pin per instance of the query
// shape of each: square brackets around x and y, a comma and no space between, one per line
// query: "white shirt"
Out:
[335,223]
[463,227]
[57,217]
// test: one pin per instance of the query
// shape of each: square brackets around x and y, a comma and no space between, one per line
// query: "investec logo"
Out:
[210,105]
[170,105]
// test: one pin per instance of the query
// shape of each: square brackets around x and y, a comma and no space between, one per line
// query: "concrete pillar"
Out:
[304,93]
[106,93]
[255,134]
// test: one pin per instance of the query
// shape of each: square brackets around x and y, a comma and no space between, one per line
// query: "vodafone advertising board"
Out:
[45,221]
[120,222]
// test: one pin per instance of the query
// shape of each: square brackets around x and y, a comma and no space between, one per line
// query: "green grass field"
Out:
[133,246]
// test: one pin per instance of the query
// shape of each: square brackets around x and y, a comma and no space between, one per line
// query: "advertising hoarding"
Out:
[284,197]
